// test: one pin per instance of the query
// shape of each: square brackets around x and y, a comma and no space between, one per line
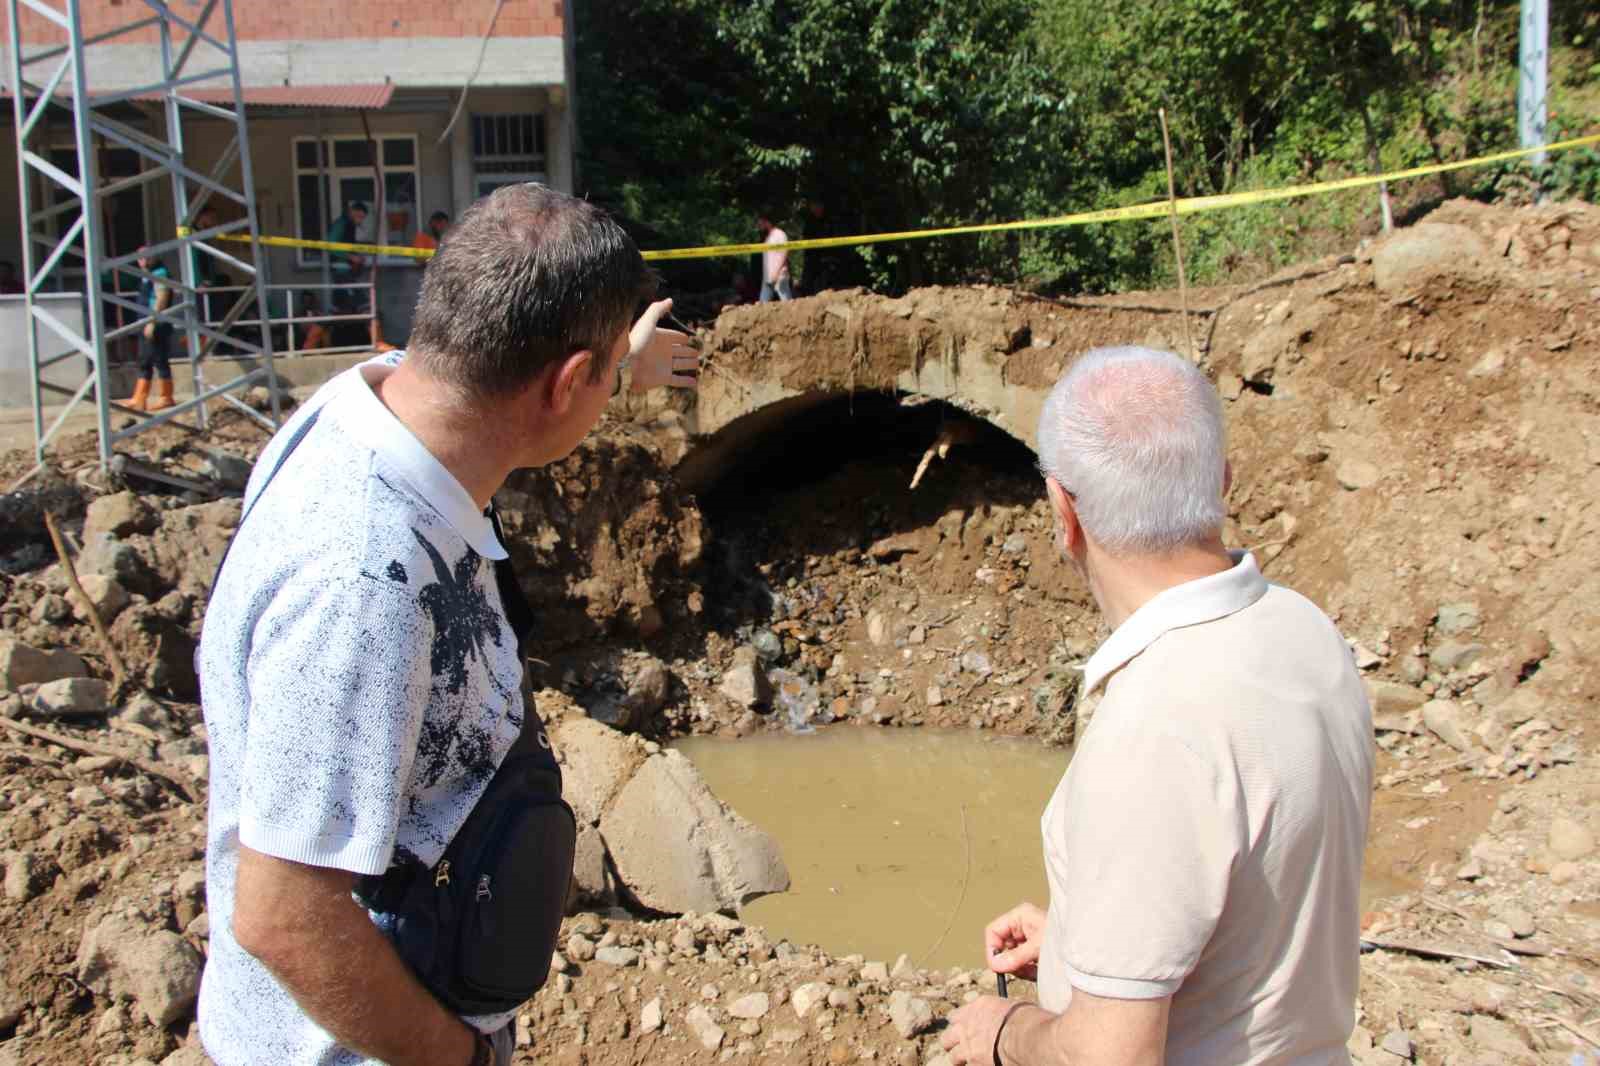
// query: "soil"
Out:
[1420,461]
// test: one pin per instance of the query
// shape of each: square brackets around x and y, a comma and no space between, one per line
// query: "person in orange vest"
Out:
[438,226]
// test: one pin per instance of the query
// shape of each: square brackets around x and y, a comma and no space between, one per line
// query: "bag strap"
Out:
[283,457]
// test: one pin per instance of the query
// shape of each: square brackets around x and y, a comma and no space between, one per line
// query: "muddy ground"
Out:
[1419,454]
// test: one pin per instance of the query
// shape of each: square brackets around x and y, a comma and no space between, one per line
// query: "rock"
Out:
[12,1007]
[26,875]
[70,696]
[1500,1040]
[909,1014]
[875,973]
[1455,655]
[160,651]
[1409,257]
[156,968]
[1391,697]
[1357,474]
[613,955]
[580,948]
[1396,1042]
[1519,921]
[591,876]
[705,1030]
[935,696]
[677,848]
[189,895]
[51,609]
[229,470]
[1569,840]
[752,1007]
[903,970]
[1471,870]
[746,683]
[808,997]
[1445,721]
[105,594]
[21,664]
[1456,618]
[1365,657]
[650,1017]
[877,628]
[1498,930]
[1492,362]
[647,694]
[977,663]
[596,761]
[1564,873]
[121,514]
[768,645]
[189,1055]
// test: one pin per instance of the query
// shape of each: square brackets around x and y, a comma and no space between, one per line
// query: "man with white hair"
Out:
[1204,848]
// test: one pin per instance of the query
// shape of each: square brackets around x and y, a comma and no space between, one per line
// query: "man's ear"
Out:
[1066,514]
[566,379]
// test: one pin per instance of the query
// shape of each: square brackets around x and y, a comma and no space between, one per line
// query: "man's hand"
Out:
[969,1038]
[302,924]
[660,356]
[149,331]
[1011,942]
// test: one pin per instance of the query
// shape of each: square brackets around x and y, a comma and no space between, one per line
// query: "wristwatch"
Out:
[482,1050]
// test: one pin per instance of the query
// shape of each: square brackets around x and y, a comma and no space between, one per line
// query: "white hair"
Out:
[1135,437]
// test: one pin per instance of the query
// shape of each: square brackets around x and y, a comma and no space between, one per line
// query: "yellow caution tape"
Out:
[1156,209]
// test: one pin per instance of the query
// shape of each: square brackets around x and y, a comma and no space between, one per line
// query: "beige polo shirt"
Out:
[1206,841]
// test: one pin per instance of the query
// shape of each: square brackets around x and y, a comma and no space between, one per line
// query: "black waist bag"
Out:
[478,927]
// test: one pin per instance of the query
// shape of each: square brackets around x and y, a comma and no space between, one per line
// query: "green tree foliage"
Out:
[901,114]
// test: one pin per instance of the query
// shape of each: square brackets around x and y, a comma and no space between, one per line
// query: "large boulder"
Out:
[155,968]
[21,664]
[1411,257]
[595,761]
[677,848]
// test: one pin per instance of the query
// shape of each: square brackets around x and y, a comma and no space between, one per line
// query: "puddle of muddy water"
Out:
[871,826]
[875,826]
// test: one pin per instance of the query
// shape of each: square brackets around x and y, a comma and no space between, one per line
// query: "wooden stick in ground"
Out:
[86,747]
[1177,242]
[119,672]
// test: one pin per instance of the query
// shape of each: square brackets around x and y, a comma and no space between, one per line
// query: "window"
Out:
[506,150]
[347,160]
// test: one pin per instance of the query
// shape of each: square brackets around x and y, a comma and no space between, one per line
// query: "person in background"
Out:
[774,264]
[438,226]
[1204,849]
[155,344]
[350,268]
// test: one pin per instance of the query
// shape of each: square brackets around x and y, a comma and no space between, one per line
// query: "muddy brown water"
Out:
[876,826]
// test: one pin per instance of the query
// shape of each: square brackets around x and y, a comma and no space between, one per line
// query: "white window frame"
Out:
[376,229]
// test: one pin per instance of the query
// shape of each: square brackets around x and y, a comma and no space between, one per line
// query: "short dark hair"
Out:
[357,205]
[528,277]
[437,216]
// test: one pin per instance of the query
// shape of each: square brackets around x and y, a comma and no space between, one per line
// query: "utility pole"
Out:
[1532,63]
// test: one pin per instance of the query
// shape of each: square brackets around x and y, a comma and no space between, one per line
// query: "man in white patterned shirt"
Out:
[361,682]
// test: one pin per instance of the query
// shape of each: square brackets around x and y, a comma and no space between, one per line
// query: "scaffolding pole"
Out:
[194,50]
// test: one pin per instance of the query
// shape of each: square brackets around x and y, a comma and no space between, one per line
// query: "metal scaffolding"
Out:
[66,237]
